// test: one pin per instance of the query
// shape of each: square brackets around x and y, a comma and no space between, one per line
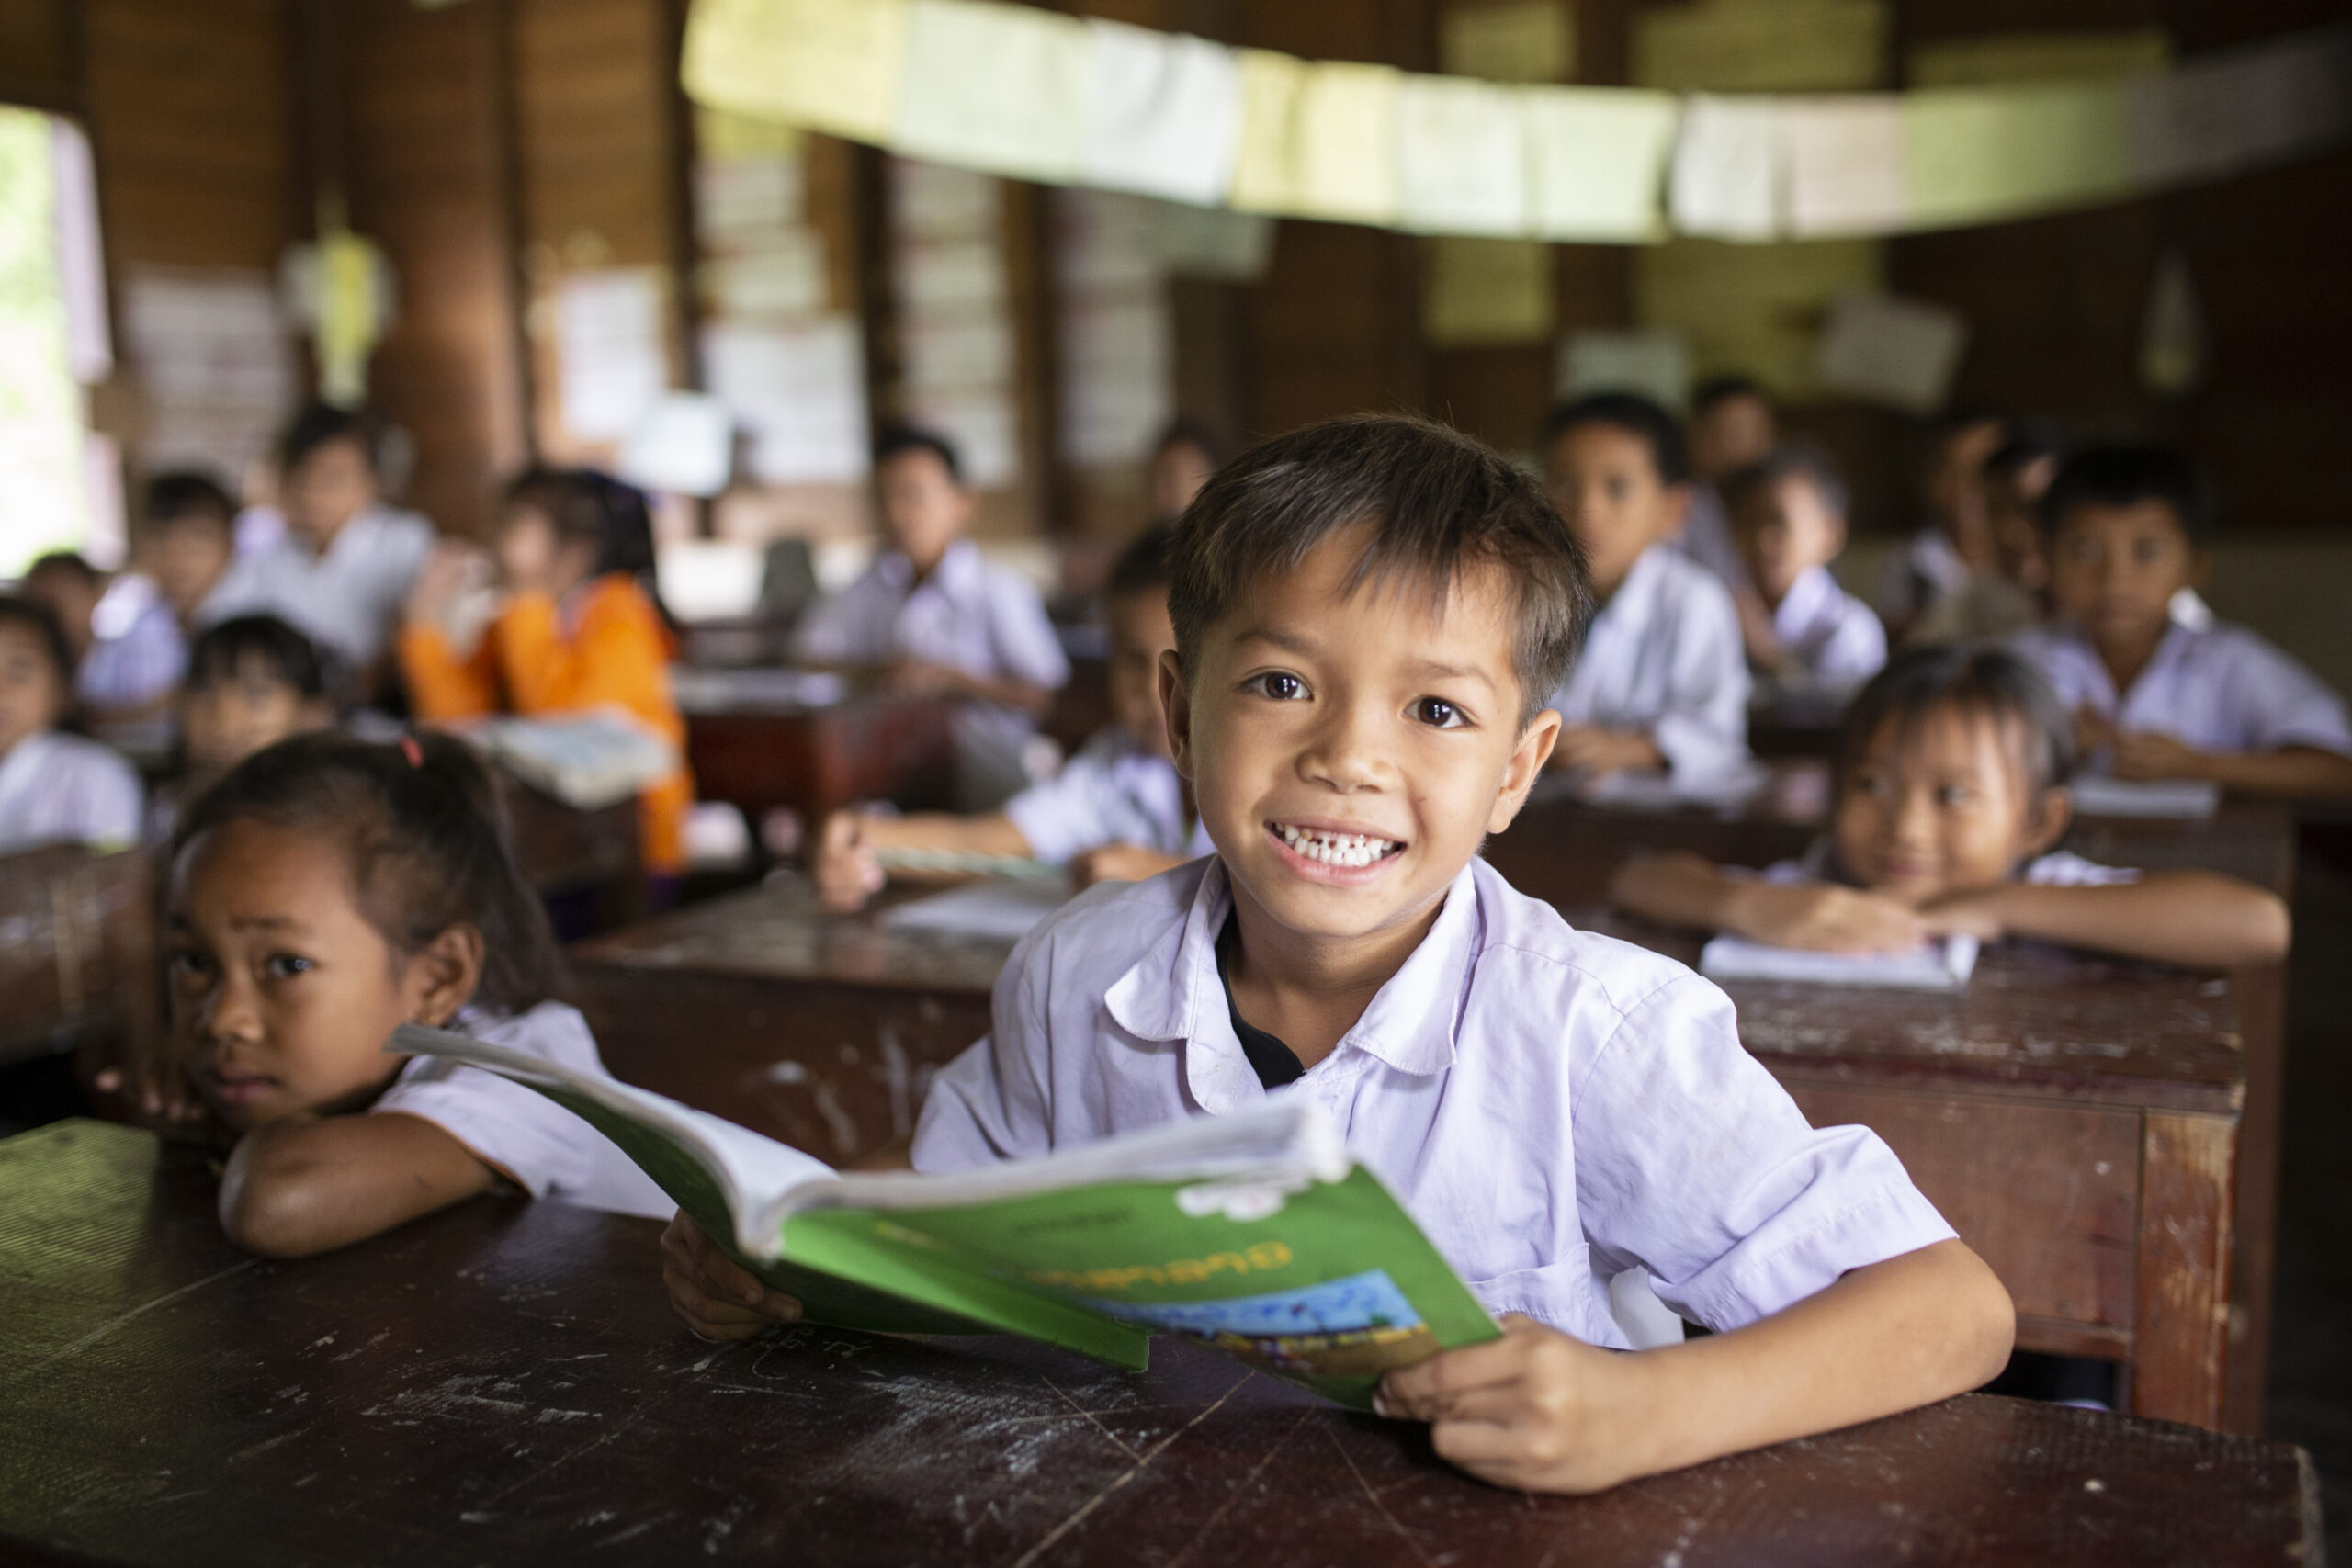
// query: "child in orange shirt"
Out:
[579,628]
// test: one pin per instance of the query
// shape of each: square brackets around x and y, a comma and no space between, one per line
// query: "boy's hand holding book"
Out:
[1535,1410]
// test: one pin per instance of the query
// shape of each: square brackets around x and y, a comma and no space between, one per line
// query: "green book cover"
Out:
[1254,1233]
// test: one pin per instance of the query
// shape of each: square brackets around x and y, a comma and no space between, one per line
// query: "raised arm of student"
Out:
[2194,918]
[304,1184]
[1539,1411]
[1678,888]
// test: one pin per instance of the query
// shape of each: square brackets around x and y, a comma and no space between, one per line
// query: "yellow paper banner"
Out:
[830,65]
[1002,88]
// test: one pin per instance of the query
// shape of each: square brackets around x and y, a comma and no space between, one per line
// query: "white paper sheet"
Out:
[1943,965]
[1651,361]
[998,910]
[1901,352]
[1165,113]
[1727,176]
[2188,799]
[993,86]
[1462,159]
[1845,165]
[609,346]
[800,390]
[1596,161]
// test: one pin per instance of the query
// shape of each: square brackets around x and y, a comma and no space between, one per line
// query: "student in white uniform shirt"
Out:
[343,569]
[1116,811]
[323,893]
[1369,615]
[1789,515]
[1661,682]
[1733,424]
[54,788]
[1950,801]
[2158,694]
[934,613]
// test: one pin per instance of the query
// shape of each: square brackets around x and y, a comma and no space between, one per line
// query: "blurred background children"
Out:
[54,788]
[323,893]
[1955,536]
[1662,682]
[1788,516]
[1950,800]
[580,626]
[937,618]
[1186,454]
[1733,424]
[347,561]
[2013,592]
[1116,812]
[2154,696]
[252,682]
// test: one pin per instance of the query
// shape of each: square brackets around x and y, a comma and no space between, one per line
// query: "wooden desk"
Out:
[762,750]
[504,1383]
[819,1030]
[77,952]
[578,856]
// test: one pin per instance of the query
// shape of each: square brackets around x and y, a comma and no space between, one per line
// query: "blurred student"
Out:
[1788,514]
[1950,801]
[323,893]
[347,561]
[580,626]
[1117,812]
[936,618]
[2013,592]
[1733,426]
[187,536]
[1662,681]
[54,788]
[1182,462]
[252,682]
[2155,696]
[1955,538]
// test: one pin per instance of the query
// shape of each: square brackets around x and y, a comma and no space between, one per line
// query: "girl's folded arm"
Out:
[1678,888]
[2196,918]
[306,1184]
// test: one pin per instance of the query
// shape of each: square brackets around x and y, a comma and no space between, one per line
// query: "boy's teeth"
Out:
[1336,849]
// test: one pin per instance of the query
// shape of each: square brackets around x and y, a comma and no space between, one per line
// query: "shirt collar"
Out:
[1629,605]
[958,568]
[1808,597]
[1175,992]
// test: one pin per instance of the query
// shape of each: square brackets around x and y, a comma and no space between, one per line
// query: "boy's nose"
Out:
[1342,753]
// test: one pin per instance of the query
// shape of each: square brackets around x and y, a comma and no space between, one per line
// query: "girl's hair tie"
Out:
[413,751]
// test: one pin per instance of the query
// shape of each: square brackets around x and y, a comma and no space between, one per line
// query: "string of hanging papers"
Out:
[1040,96]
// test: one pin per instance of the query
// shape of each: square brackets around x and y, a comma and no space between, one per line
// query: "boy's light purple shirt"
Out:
[2220,689]
[1554,1107]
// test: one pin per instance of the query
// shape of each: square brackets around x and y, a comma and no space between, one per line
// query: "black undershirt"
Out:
[1275,1063]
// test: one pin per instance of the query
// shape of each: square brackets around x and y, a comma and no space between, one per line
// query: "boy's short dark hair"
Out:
[1723,389]
[2006,687]
[2118,474]
[184,493]
[67,562]
[319,424]
[1634,414]
[1794,461]
[230,648]
[1143,565]
[2029,442]
[1436,503]
[900,439]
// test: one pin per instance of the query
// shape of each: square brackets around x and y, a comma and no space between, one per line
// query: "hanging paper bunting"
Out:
[2241,108]
[1318,140]
[1726,179]
[1461,158]
[1844,173]
[1596,161]
[1166,114]
[830,65]
[997,88]
[1981,154]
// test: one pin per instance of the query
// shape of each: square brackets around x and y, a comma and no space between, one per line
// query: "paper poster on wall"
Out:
[1517,40]
[214,364]
[784,275]
[609,349]
[1483,293]
[1742,46]
[1900,352]
[1655,364]
[1752,310]
[798,390]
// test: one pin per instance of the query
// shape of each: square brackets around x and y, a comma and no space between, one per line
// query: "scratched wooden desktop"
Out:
[757,740]
[503,1383]
[2078,1120]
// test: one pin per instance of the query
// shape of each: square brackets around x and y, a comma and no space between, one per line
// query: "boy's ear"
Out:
[1176,705]
[2050,821]
[1536,739]
[445,975]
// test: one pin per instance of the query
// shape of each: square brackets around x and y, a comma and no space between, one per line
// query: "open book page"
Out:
[1001,910]
[1942,964]
[1256,1233]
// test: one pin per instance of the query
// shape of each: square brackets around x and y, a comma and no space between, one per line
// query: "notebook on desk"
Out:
[1001,910]
[2188,799]
[1942,964]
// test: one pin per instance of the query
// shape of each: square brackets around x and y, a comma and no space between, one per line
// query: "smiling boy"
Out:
[2154,697]
[1368,617]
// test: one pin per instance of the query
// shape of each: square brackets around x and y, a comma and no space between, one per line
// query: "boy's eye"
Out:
[1439,713]
[1282,686]
[286,965]
[1954,794]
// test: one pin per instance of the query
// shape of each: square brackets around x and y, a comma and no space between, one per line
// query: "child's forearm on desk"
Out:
[2193,918]
[304,1185]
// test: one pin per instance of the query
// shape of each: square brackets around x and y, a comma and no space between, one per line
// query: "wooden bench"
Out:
[504,1383]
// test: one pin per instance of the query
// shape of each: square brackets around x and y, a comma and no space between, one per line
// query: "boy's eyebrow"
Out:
[1430,670]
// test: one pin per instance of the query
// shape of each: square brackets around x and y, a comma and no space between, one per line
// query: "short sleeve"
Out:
[1703,727]
[1856,650]
[1691,1162]
[1025,644]
[993,1102]
[1063,817]
[2285,704]
[2065,869]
